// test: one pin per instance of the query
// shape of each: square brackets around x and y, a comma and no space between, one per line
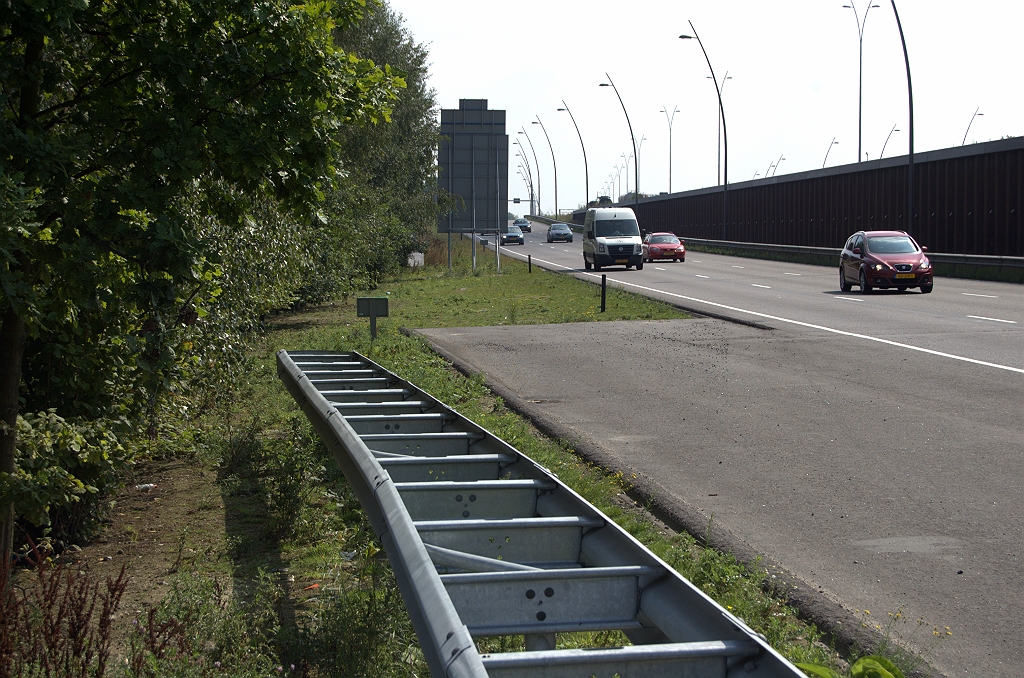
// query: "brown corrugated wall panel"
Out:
[966,200]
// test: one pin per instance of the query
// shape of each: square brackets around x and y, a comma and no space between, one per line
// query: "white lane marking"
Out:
[987,296]
[850,299]
[792,274]
[701,276]
[565,250]
[695,261]
[800,323]
[734,266]
[761,286]
[995,320]
[660,269]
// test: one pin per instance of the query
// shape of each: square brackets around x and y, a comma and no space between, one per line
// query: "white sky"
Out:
[793,65]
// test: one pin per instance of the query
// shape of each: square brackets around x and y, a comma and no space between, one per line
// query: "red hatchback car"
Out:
[663,246]
[884,259]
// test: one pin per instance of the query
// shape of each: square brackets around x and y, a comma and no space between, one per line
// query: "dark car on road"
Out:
[513,236]
[559,232]
[884,259]
[524,225]
[659,246]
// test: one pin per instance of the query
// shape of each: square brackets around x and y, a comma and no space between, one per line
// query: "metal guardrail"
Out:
[486,542]
[936,257]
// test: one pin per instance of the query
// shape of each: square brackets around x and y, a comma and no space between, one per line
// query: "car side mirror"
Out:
[856,250]
[923,248]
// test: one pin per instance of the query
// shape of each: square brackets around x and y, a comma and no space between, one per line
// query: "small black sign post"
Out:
[372,308]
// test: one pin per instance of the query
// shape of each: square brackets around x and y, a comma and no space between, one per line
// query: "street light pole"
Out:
[528,172]
[860,86]
[910,99]
[834,142]
[777,163]
[553,163]
[522,130]
[721,89]
[725,131]
[586,171]
[675,109]
[636,165]
[976,114]
[887,140]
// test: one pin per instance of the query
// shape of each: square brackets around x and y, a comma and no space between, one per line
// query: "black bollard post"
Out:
[604,287]
[529,263]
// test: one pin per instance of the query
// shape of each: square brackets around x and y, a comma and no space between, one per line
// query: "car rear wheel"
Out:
[865,288]
[843,285]
[586,263]
[926,289]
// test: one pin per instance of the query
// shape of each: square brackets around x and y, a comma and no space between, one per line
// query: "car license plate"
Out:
[904,275]
[622,261]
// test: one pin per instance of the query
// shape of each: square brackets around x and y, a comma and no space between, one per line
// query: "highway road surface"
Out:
[871,445]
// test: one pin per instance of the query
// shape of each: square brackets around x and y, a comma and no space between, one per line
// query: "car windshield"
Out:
[665,239]
[615,228]
[514,230]
[891,244]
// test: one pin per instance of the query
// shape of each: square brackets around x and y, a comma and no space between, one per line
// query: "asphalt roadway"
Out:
[872,450]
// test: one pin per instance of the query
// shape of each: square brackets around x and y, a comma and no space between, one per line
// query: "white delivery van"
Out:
[611,237]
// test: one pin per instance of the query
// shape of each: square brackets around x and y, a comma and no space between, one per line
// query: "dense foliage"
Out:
[170,172]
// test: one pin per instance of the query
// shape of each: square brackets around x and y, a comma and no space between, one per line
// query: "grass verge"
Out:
[289,579]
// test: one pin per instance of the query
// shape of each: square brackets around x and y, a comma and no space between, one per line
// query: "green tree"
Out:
[112,115]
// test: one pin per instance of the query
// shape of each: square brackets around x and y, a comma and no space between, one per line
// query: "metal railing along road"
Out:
[486,542]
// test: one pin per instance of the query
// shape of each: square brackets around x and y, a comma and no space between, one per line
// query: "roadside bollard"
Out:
[529,263]
[604,288]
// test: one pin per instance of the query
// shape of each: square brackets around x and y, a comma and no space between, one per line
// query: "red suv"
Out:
[884,259]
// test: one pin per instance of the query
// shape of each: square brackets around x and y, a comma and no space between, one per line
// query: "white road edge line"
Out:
[660,269]
[734,266]
[701,276]
[995,320]
[761,286]
[987,296]
[792,274]
[812,326]
[851,299]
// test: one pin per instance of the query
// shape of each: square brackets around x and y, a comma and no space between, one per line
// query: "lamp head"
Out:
[561,109]
[534,123]
[686,37]
[979,114]
[604,84]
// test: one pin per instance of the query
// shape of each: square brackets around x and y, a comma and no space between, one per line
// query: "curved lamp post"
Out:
[636,166]
[777,163]
[976,114]
[529,173]
[725,131]
[887,141]
[586,171]
[670,119]
[522,130]
[910,101]
[834,143]
[721,89]
[553,163]
[860,86]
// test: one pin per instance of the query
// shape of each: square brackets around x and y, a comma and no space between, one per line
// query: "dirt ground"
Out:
[159,531]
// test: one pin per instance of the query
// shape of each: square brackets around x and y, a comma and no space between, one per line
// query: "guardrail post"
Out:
[604,287]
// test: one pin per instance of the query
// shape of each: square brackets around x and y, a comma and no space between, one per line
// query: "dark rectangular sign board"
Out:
[367,307]
[473,164]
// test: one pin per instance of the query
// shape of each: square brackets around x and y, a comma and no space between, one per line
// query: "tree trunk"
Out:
[12,347]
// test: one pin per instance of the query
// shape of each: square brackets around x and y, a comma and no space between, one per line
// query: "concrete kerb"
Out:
[840,626]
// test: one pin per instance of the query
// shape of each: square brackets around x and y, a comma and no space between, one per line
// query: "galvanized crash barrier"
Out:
[485,542]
